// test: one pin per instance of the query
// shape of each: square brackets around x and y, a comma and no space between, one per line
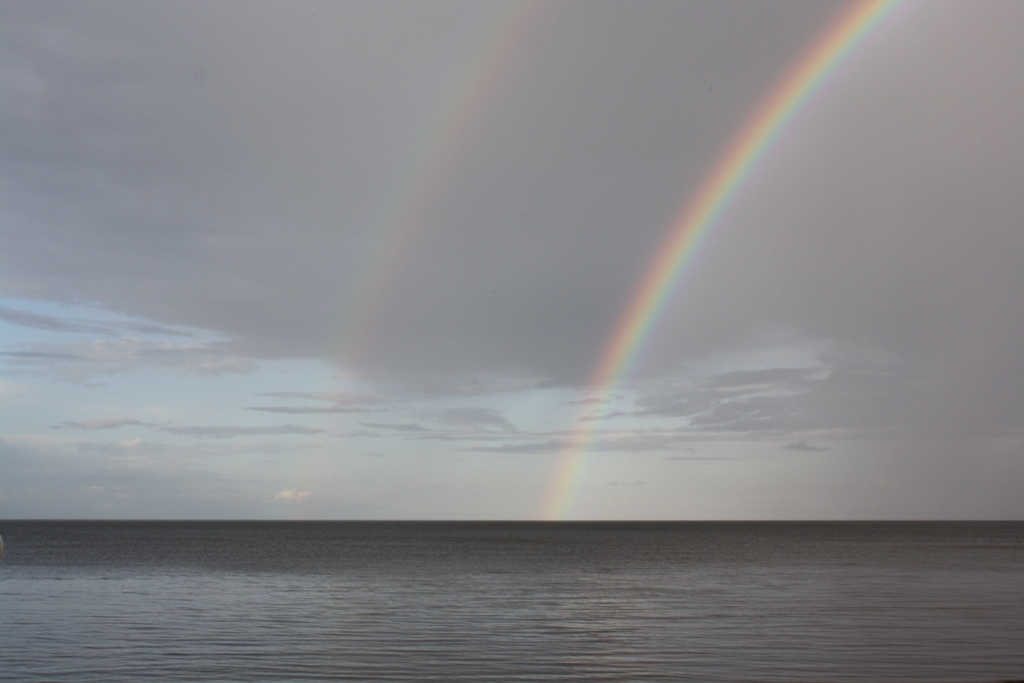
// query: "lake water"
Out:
[433,601]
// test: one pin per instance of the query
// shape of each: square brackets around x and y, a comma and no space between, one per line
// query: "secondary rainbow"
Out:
[699,214]
[430,164]
[421,179]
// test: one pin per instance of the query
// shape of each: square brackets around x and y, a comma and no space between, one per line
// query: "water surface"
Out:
[408,601]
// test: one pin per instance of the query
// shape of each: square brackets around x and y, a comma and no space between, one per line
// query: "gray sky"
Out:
[360,260]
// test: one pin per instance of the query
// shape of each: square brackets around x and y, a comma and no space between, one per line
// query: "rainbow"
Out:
[433,160]
[420,181]
[700,213]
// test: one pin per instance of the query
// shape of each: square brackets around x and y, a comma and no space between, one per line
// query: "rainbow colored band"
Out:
[673,258]
[432,162]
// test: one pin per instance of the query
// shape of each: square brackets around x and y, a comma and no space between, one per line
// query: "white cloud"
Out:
[293,496]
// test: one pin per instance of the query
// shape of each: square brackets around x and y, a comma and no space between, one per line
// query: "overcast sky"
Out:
[360,259]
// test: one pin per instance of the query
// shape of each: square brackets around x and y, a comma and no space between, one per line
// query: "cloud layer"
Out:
[444,208]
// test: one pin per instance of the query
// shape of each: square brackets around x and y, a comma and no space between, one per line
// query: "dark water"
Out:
[229,601]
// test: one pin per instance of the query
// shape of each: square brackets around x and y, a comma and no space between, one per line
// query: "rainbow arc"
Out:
[673,258]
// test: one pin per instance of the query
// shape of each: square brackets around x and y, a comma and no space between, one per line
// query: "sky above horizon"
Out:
[360,261]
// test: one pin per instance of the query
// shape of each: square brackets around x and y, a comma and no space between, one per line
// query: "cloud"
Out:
[150,328]
[642,441]
[524,448]
[50,323]
[105,423]
[306,410]
[146,187]
[342,402]
[697,458]
[78,362]
[472,418]
[226,171]
[173,216]
[339,398]
[134,450]
[589,401]
[293,496]
[396,426]
[36,357]
[230,432]
[844,390]
[752,380]
[805,446]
